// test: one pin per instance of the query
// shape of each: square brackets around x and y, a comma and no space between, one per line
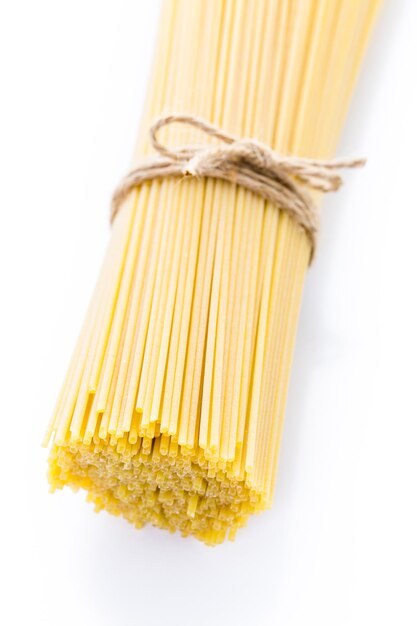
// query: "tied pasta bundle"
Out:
[172,408]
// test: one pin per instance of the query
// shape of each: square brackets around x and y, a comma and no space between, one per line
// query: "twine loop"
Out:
[283,180]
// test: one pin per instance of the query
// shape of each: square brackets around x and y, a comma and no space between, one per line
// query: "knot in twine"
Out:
[282,180]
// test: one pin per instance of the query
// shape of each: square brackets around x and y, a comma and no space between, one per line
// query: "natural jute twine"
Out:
[282,180]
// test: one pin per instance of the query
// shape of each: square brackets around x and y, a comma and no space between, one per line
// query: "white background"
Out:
[340,545]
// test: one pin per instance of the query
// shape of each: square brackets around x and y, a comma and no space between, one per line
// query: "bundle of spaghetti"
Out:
[172,408]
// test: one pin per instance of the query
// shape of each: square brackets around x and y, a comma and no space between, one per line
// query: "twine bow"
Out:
[283,180]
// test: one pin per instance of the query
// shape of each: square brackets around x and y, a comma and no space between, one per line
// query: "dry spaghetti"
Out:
[172,409]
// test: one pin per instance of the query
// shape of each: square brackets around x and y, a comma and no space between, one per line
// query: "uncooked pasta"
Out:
[172,409]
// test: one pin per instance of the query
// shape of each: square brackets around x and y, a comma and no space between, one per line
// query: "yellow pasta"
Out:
[172,408]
